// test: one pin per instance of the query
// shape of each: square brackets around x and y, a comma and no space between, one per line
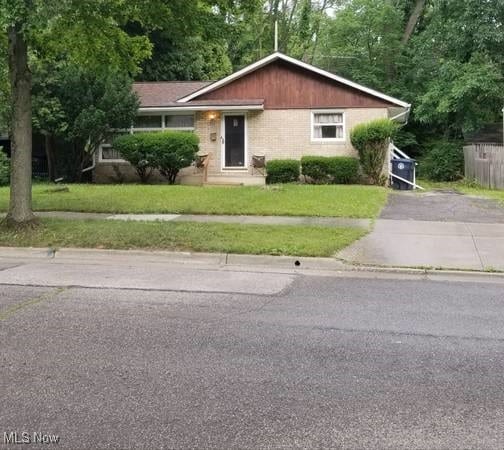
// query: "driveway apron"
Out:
[440,229]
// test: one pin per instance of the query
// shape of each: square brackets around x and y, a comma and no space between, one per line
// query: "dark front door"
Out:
[234,141]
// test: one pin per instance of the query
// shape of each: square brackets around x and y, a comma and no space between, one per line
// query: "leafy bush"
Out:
[168,151]
[335,169]
[173,150]
[444,161]
[4,169]
[134,148]
[282,171]
[371,141]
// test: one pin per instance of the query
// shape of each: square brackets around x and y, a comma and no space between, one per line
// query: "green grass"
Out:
[282,200]
[207,237]
[465,187]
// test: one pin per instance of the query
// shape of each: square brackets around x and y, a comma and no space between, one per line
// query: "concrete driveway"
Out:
[436,229]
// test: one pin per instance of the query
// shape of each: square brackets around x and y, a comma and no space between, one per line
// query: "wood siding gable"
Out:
[285,86]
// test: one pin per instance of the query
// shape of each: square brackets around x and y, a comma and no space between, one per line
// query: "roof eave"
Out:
[155,109]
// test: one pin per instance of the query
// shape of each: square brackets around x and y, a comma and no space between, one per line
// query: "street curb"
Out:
[26,252]
[300,264]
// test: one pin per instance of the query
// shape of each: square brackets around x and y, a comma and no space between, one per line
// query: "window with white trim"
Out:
[148,122]
[328,126]
[179,121]
[109,153]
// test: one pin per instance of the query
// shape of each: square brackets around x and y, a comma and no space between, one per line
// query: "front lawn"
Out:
[180,236]
[277,200]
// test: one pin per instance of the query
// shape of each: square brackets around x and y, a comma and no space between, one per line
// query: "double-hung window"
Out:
[328,126]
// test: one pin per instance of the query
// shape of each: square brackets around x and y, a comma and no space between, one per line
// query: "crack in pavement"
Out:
[407,334]
[9,312]
[475,246]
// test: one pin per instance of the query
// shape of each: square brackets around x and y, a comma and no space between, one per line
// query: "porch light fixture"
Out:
[212,115]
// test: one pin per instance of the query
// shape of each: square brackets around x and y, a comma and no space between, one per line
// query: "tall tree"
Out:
[190,42]
[362,41]
[4,86]
[415,15]
[80,109]
[456,66]
[86,31]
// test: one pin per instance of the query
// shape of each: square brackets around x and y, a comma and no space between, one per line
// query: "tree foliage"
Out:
[80,108]
[443,161]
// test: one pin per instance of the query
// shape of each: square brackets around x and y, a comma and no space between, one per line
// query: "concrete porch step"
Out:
[235,179]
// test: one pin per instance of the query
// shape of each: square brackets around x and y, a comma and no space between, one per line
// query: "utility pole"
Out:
[276,35]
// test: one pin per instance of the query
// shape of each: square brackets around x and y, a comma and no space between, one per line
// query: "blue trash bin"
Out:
[404,168]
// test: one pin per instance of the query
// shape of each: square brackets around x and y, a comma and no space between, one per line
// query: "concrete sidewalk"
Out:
[207,218]
[448,245]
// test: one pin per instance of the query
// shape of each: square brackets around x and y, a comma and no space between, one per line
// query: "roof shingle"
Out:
[165,93]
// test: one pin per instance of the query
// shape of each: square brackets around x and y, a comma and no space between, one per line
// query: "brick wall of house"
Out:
[277,133]
[284,133]
[123,172]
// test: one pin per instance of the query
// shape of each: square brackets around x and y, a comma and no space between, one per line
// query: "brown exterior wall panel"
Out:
[283,85]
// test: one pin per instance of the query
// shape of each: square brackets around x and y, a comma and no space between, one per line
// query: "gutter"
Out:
[404,113]
[160,109]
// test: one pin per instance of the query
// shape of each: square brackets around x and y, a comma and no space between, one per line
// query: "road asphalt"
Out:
[243,357]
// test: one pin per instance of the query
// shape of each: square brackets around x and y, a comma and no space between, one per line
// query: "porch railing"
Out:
[397,153]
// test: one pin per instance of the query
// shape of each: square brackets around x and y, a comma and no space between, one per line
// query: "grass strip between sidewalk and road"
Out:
[184,236]
[353,201]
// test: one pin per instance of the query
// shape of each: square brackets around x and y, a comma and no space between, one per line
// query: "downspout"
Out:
[93,165]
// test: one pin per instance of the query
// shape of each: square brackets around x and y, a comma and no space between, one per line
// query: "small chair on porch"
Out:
[258,163]
[201,163]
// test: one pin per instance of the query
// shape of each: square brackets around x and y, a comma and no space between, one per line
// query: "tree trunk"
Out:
[51,161]
[20,206]
[413,20]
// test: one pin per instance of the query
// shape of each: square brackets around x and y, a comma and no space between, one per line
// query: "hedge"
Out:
[334,169]
[168,151]
[174,150]
[371,141]
[282,171]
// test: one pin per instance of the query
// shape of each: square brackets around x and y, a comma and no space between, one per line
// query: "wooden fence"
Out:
[484,163]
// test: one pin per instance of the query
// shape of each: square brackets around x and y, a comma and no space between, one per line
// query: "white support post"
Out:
[276,36]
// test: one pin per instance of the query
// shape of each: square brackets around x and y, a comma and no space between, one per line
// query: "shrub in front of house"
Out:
[330,169]
[173,150]
[371,141]
[4,169]
[134,148]
[168,151]
[443,161]
[282,171]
